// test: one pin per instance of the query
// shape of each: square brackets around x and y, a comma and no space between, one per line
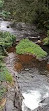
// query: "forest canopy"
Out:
[32,11]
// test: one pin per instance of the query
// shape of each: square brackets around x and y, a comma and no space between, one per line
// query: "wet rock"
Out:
[8,26]
[39,42]
[19,26]
[26,69]
[1,19]
[17,103]
[9,105]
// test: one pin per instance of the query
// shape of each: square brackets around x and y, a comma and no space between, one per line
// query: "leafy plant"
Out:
[26,46]
[1,3]
[7,39]
[5,14]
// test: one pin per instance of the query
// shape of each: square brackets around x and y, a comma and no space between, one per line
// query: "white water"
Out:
[3,26]
[32,99]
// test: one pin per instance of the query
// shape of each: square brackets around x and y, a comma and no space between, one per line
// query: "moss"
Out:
[26,46]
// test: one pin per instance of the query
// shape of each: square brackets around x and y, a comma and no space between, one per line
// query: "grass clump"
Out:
[26,46]
[5,75]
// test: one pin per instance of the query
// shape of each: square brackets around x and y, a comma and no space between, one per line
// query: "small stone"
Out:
[26,69]
[8,27]
[39,41]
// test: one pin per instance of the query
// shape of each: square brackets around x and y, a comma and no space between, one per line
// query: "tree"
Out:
[32,11]
[1,5]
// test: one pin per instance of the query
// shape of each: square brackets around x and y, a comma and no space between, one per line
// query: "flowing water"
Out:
[32,76]
[21,30]
[34,85]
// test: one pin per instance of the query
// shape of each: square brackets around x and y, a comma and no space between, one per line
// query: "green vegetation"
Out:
[2,92]
[32,11]
[6,40]
[46,40]
[5,75]
[26,46]
[1,4]
[3,13]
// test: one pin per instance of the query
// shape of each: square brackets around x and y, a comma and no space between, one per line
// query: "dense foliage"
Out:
[26,46]
[3,13]
[33,11]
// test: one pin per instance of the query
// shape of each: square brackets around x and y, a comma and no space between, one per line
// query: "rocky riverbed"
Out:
[31,78]
[21,30]
[34,84]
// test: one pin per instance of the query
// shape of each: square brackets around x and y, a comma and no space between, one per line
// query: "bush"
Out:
[7,39]
[26,46]
[5,14]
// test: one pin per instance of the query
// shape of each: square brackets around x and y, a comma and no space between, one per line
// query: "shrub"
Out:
[7,39]
[26,46]
[5,14]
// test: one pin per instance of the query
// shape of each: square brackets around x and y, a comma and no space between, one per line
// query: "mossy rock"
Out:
[26,46]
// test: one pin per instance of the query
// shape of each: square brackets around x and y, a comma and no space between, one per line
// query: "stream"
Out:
[32,75]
